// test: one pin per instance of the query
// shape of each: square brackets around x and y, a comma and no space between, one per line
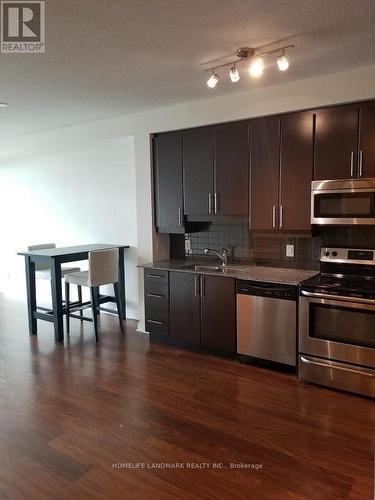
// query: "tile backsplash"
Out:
[233,237]
[243,244]
[271,246]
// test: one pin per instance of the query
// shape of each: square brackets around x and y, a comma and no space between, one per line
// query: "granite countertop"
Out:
[288,276]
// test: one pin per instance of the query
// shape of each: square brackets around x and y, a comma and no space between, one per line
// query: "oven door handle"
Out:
[337,366]
[338,297]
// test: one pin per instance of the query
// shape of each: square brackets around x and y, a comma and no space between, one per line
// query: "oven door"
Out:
[343,207]
[341,329]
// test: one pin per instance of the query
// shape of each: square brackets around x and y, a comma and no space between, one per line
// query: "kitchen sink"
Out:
[204,268]
[208,268]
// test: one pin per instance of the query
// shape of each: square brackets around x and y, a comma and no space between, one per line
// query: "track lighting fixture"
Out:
[234,74]
[212,81]
[256,67]
[283,62]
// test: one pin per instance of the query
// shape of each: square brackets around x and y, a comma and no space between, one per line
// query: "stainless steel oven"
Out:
[337,323]
[343,202]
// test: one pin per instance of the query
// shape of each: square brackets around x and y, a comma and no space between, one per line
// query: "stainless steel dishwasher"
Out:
[267,321]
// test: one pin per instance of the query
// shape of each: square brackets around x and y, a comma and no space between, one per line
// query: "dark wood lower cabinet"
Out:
[201,309]
[184,303]
[218,313]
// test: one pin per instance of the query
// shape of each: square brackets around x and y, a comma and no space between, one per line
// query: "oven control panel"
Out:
[348,255]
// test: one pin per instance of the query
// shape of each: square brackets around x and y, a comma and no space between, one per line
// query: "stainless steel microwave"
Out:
[343,202]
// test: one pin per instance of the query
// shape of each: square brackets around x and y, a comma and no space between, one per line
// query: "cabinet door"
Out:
[297,144]
[265,151]
[198,168]
[168,182]
[336,132]
[367,140]
[184,305]
[232,169]
[218,327]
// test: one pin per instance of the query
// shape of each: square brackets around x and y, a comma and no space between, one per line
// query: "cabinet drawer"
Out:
[156,275]
[157,321]
[156,295]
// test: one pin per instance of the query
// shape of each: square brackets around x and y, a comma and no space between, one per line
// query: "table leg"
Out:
[121,282]
[57,300]
[31,295]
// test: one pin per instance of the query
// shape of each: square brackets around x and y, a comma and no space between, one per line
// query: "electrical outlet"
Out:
[290,250]
[187,245]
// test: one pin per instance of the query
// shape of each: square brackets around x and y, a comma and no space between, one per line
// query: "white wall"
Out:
[321,90]
[69,197]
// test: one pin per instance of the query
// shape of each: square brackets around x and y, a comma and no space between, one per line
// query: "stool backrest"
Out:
[103,267]
[44,246]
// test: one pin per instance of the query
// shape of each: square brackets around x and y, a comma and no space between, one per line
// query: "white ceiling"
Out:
[112,57]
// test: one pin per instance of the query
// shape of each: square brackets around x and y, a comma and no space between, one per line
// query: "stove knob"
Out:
[326,254]
[334,254]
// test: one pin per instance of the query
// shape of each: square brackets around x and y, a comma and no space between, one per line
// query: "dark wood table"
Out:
[54,257]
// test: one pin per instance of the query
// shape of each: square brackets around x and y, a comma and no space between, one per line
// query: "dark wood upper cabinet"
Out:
[296,171]
[168,182]
[184,302]
[232,169]
[203,175]
[265,159]
[366,160]
[218,313]
[198,168]
[336,134]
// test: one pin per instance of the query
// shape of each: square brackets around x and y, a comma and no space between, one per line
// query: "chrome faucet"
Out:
[223,255]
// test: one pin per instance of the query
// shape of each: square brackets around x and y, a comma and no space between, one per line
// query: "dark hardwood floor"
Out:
[68,413]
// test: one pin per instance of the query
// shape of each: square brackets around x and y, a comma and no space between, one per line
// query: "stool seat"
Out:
[78,278]
[103,270]
[45,274]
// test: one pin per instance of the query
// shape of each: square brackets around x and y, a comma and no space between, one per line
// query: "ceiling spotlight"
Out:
[4,104]
[283,63]
[254,58]
[234,74]
[256,68]
[212,81]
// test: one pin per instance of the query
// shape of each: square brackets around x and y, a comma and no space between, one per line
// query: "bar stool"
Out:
[103,270]
[43,271]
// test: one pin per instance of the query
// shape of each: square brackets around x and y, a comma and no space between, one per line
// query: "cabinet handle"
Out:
[154,295]
[352,164]
[196,286]
[281,216]
[180,217]
[203,286]
[215,203]
[274,216]
[360,169]
[209,203]
[155,276]
[155,322]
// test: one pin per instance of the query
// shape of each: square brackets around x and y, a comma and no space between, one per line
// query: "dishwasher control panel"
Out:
[266,289]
